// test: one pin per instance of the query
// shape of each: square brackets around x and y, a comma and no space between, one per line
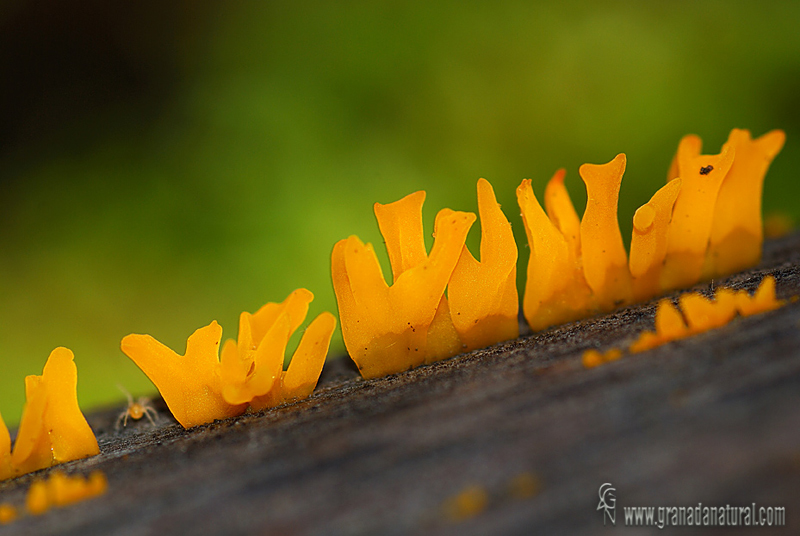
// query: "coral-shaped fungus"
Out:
[198,387]
[575,268]
[252,367]
[706,222]
[737,230]
[52,429]
[389,329]
[483,294]
[701,314]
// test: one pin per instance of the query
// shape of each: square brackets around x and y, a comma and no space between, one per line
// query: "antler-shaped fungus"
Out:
[575,267]
[692,215]
[388,329]
[706,222]
[53,429]
[556,291]
[483,295]
[252,367]
[199,389]
[649,241]
[737,230]
[190,384]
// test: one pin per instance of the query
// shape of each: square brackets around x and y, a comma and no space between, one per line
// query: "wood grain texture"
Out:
[714,419]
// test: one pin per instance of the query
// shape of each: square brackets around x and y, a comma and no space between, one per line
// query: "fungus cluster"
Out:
[52,429]
[388,329]
[701,314]
[57,491]
[201,386]
[704,223]
[62,490]
[697,314]
[593,358]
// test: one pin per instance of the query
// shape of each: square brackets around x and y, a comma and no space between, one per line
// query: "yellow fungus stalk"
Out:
[692,216]
[52,429]
[649,241]
[605,262]
[6,469]
[556,291]
[737,231]
[562,212]
[575,267]
[483,295]
[388,329]
[252,367]
[200,386]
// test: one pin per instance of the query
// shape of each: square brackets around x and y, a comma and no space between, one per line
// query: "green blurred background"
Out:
[162,166]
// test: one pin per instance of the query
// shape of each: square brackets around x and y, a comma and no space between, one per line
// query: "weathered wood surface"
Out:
[712,419]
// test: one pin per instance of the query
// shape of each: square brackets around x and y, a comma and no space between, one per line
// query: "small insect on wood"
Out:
[136,409]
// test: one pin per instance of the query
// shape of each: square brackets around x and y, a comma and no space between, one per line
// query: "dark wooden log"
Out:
[714,419]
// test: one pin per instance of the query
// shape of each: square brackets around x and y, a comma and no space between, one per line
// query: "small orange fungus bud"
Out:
[52,429]
[669,321]
[524,485]
[483,295]
[762,300]
[388,329]
[470,502]
[37,501]
[736,233]
[62,490]
[669,326]
[7,514]
[593,358]
[703,314]
[777,224]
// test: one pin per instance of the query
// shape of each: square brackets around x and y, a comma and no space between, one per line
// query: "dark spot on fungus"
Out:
[706,170]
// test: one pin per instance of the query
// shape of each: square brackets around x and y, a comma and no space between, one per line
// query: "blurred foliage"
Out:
[165,166]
